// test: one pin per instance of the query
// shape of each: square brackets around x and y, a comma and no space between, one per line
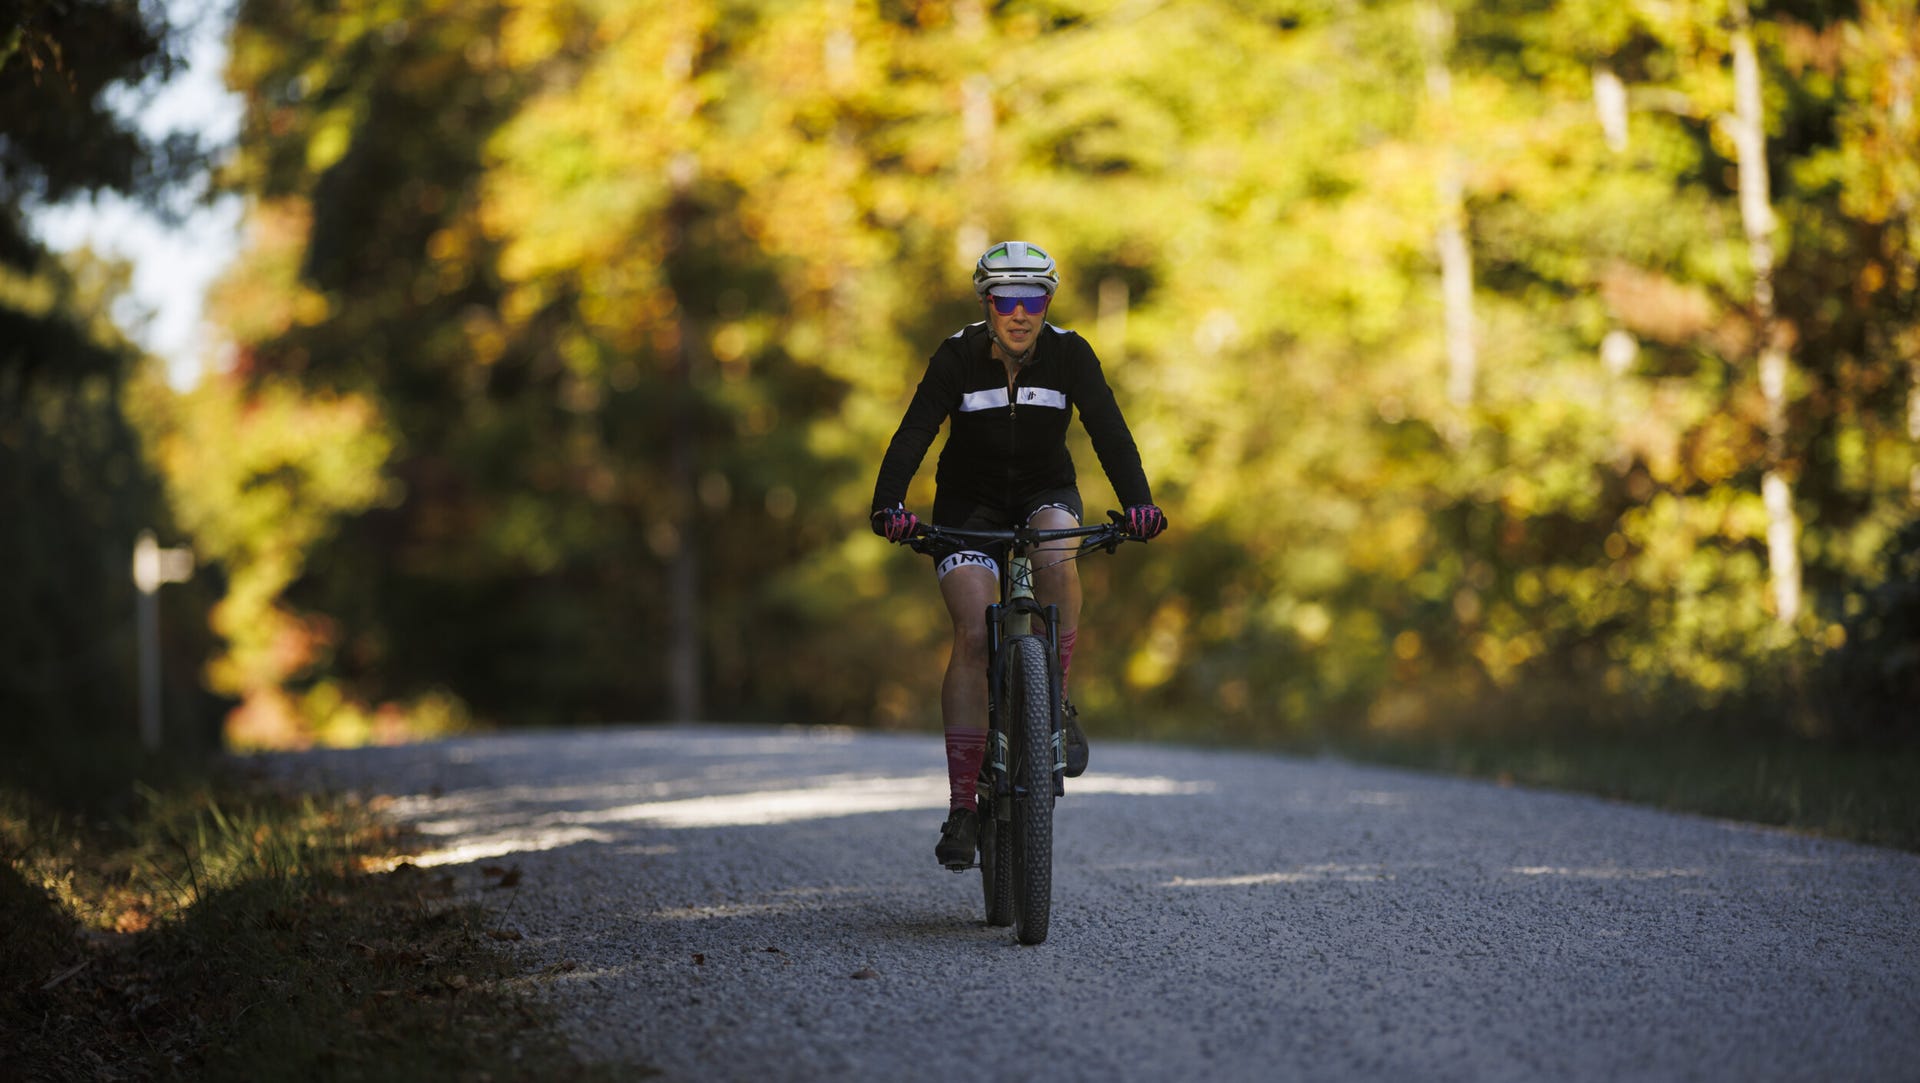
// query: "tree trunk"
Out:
[1450,240]
[1900,122]
[1748,128]
[683,565]
[1610,106]
[977,124]
[1111,323]
[976,151]
[1913,429]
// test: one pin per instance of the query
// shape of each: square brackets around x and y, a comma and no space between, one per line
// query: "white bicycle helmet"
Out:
[1012,264]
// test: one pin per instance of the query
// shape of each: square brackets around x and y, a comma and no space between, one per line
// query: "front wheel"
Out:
[996,864]
[1029,704]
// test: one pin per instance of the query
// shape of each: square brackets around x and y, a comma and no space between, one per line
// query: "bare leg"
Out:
[1056,579]
[963,694]
[1056,582]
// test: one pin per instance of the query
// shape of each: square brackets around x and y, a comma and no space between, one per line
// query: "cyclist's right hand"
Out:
[894,524]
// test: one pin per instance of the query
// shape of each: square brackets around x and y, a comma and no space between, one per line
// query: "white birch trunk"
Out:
[1450,237]
[1610,105]
[1748,128]
[1900,121]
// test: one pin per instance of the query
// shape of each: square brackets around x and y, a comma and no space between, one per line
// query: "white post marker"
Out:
[153,566]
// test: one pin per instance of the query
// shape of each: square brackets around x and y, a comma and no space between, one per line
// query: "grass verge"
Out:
[1862,793]
[216,929]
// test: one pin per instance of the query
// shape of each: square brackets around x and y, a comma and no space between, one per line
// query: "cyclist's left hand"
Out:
[1145,521]
[894,524]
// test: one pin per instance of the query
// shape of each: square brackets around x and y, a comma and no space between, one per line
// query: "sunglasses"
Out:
[1035,306]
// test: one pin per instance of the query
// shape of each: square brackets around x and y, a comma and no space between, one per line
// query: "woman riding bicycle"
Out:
[1009,384]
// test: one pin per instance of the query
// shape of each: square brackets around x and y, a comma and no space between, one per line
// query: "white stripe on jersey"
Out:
[996,397]
[983,400]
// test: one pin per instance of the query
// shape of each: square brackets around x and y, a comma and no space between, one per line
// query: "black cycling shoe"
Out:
[958,838]
[1074,741]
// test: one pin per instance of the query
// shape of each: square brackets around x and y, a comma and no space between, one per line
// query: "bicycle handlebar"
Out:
[1106,536]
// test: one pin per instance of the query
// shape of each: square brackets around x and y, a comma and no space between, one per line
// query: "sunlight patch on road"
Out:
[793,900]
[1136,786]
[478,825]
[723,910]
[755,807]
[481,847]
[1309,874]
[1605,873]
[847,796]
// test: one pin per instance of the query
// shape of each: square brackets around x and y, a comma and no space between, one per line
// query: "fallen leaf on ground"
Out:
[864,973]
[508,877]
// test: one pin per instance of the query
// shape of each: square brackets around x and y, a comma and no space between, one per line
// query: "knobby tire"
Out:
[996,861]
[1029,713]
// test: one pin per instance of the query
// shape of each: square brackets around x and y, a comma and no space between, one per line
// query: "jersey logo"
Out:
[1043,396]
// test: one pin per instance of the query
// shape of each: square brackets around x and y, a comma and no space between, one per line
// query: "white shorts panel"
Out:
[966,558]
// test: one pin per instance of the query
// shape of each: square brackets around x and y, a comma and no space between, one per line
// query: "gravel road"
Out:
[723,903]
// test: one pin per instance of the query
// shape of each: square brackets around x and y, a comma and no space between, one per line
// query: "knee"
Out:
[970,643]
[1055,574]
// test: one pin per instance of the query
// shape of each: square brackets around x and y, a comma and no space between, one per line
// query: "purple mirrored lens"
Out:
[1034,305]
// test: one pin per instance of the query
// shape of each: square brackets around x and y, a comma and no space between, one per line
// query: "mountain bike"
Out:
[1024,769]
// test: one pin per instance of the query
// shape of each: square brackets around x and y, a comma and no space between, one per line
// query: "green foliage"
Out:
[1873,681]
[59,62]
[633,294]
[260,476]
[1846,790]
[74,483]
[78,491]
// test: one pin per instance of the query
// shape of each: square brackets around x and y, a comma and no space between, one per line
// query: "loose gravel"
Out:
[726,903]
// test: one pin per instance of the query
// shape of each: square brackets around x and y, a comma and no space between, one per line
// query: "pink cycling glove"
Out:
[1145,520]
[894,524]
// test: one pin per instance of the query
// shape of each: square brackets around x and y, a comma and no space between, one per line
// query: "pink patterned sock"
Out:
[1066,653]
[965,751]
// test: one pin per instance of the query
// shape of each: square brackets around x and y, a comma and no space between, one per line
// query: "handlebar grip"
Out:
[1120,523]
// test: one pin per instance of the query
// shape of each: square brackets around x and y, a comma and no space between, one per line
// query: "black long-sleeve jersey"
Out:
[1009,443]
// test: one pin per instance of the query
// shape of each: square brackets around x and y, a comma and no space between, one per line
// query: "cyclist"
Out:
[1009,385]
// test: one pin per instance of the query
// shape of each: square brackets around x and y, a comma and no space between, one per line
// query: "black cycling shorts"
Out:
[991,517]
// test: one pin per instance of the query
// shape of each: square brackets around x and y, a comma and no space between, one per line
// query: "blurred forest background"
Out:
[1520,363]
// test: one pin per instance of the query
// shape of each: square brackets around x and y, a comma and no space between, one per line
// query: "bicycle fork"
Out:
[1056,702]
[1023,608]
[998,780]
